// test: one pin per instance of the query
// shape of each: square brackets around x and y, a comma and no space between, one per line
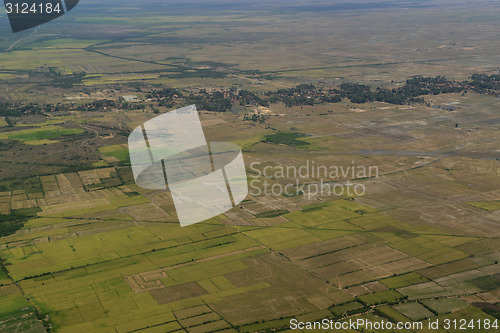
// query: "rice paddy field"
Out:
[420,244]
[97,253]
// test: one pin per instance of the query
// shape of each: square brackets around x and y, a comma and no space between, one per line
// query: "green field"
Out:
[116,151]
[487,205]
[46,133]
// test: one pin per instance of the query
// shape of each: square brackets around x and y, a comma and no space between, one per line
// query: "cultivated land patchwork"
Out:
[84,249]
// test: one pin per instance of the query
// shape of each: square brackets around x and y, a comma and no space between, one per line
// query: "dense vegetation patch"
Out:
[14,221]
[274,213]
[308,94]
[289,139]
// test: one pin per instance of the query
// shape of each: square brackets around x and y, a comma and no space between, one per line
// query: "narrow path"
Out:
[89,129]
[19,40]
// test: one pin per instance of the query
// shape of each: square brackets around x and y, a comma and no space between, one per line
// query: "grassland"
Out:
[117,151]
[41,135]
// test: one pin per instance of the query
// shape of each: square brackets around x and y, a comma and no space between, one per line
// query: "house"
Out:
[129,98]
